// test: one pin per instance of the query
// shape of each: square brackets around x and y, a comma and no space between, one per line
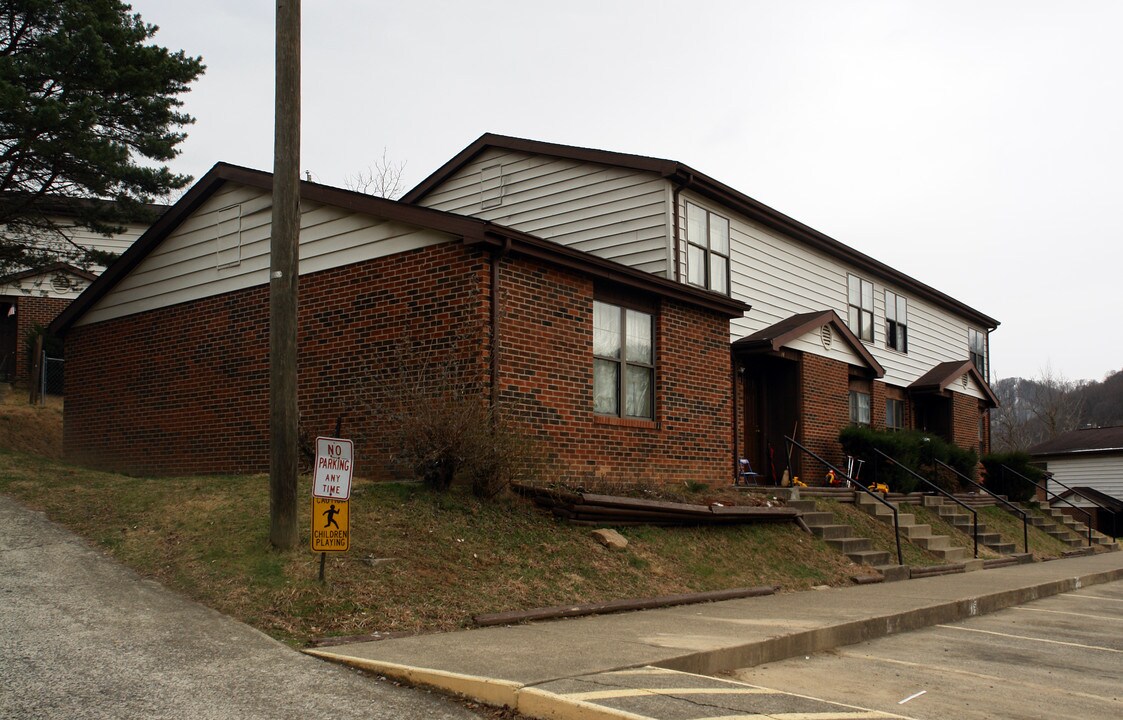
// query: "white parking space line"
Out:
[638,692]
[1062,612]
[1034,639]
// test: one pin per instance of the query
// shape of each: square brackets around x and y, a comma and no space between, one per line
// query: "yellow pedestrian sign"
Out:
[330,528]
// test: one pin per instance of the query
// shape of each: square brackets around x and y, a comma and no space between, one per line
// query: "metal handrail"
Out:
[1047,493]
[973,511]
[1052,478]
[844,476]
[999,498]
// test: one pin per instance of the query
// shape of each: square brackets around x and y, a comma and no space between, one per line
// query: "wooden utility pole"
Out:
[284,258]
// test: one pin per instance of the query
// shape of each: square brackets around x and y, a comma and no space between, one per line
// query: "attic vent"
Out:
[60,283]
[491,186]
[965,380]
[826,336]
[228,236]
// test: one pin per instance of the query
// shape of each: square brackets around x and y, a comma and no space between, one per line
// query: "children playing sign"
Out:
[334,465]
[331,488]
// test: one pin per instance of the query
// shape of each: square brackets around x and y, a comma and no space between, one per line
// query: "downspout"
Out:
[496,257]
[676,232]
[736,434]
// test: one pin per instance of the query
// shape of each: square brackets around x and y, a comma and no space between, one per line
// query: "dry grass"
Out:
[32,429]
[419,561]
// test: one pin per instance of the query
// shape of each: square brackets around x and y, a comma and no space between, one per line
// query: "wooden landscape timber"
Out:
[593,509]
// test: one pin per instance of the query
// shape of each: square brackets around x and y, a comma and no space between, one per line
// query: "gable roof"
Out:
[941,376]
[472,231]
[776,336]
[1096,497]
[47,269]
[1086,440]
[704,185]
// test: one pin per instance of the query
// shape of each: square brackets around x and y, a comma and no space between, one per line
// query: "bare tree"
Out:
[382,179]
[1058,406]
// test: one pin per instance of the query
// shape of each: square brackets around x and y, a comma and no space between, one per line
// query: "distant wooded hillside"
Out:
[1034,410]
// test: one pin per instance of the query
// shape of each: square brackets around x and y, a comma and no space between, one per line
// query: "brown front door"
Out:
[771,412]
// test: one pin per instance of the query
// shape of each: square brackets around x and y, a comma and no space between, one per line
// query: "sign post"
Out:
[331,492]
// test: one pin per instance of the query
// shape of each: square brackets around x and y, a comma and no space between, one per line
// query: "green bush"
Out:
[911,449]
[1000,482]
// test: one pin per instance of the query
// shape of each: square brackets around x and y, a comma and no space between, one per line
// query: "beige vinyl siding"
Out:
[118,243]
[1104,472]
[780,277]
[42,285]
[610,212]
[186,264]
[839,351]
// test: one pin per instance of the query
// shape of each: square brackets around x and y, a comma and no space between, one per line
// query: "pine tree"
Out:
[89,112]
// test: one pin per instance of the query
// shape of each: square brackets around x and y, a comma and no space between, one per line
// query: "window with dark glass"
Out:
[977,348]
[860,315]
[707,249]
[623,362]
[896,322]
[894,414]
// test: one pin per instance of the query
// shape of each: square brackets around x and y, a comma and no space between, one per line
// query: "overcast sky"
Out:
[976,145]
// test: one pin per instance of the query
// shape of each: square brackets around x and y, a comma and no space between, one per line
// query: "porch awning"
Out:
[941,377]
[783,333]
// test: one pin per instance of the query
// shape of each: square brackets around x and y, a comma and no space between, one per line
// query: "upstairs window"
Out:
[707,249]
[977,349]
[860,315]
[623,362]
[896,322]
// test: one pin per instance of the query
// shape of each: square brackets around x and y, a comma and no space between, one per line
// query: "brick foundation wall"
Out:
[185,389]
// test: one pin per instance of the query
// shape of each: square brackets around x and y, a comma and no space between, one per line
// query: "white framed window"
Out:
[896,322]
[977,350]
[860,310]
[623,362]
[859,407]
[707,249]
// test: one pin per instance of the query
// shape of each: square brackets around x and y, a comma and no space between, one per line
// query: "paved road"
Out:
[1060,657]
[82,637]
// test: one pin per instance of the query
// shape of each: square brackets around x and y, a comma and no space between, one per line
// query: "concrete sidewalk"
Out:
[517,665]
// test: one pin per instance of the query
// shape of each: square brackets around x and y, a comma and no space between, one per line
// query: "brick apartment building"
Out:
[600,299]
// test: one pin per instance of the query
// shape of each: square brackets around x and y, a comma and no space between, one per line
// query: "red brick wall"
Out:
[826,410]
[965,421]
[32,311]
[185,389]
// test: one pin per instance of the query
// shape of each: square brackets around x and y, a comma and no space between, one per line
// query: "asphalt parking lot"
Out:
[1060,657]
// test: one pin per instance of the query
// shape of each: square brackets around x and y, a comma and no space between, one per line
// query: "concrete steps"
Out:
[840,537]
[1079,531]
[918,534]
[958,518]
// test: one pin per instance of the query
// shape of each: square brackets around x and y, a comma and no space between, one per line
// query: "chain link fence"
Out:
[51,378]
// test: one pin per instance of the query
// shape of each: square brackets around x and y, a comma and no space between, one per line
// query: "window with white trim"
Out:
[860,314]
[859,407]
[896,322]
[623,362]
[977,350]
[707,249]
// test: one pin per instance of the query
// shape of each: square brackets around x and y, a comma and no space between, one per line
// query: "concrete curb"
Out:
[827,638]
[538,703]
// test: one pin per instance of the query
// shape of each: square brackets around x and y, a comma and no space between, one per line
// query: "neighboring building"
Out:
[834,336]
[612,371]
[1089,462]
[29,299]
[36,296]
